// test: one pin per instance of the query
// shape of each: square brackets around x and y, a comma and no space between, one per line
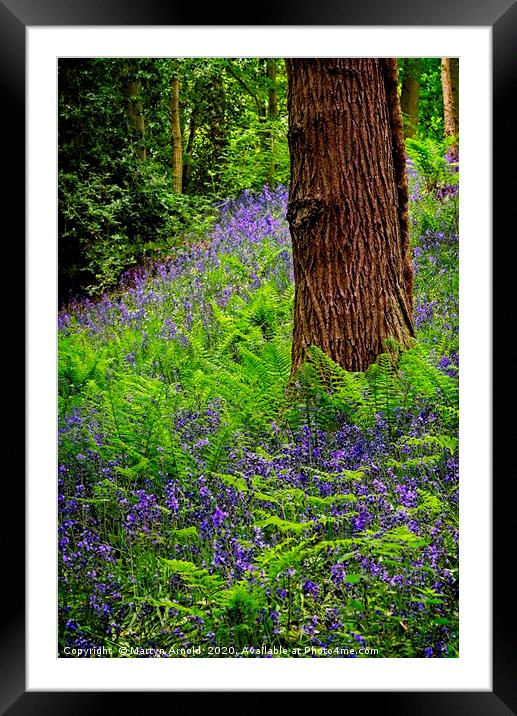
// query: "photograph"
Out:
[258,357]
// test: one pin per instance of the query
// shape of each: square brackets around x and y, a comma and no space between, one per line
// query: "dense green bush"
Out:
[109,224]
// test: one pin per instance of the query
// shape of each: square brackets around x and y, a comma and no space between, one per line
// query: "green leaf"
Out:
[353,578]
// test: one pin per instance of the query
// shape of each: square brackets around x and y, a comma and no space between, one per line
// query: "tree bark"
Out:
[176,139]
[135,113]
[347,210]
[272,113]
[410,95]
[272,108]
[455,84]
[450,126]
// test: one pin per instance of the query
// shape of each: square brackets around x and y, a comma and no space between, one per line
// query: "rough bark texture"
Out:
[176,140]
[134,109]
[410,95]
[347,210]
[396,130]
[450,126]
[455,84]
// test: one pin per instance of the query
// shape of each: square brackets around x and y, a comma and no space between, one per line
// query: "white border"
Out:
[472,671]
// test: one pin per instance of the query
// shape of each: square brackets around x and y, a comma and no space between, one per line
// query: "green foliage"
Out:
[210,498]
[428,156]
[430,112]
[107,227]
[325,392]
[117,209]
[252,150]
[78,366]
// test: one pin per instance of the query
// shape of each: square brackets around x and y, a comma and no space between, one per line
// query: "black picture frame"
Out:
[501,16]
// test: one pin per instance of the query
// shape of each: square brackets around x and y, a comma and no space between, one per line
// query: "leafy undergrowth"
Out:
[205,509]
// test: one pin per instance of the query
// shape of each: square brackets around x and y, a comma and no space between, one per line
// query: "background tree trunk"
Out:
[272,113]
[449,117]
[188,151]
[176,140]
[217,123]
[135,112]
[272,109]
[347,210]
[455,84]
[410,95]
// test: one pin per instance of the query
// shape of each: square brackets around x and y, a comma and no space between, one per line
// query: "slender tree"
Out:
[272,113]
[347,210]
[449,113]
[272,108]
[217,118]
[187,164]
[455,84]
[410,95]
[134,108]
[176,139]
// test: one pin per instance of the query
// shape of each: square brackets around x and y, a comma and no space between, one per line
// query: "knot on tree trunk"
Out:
[304,213]
[295,131]
[340,68]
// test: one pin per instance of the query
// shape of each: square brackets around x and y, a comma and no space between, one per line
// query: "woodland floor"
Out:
[203,506]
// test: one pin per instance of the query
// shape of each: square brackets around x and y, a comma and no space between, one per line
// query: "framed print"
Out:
[39,647]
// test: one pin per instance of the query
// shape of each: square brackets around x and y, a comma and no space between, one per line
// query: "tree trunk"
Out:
[455,84]
[347,210]
[176,140]
[217,116]
[272,109]
[450,127]
[135,113]
[272,113]
[410,95]
[188,151]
